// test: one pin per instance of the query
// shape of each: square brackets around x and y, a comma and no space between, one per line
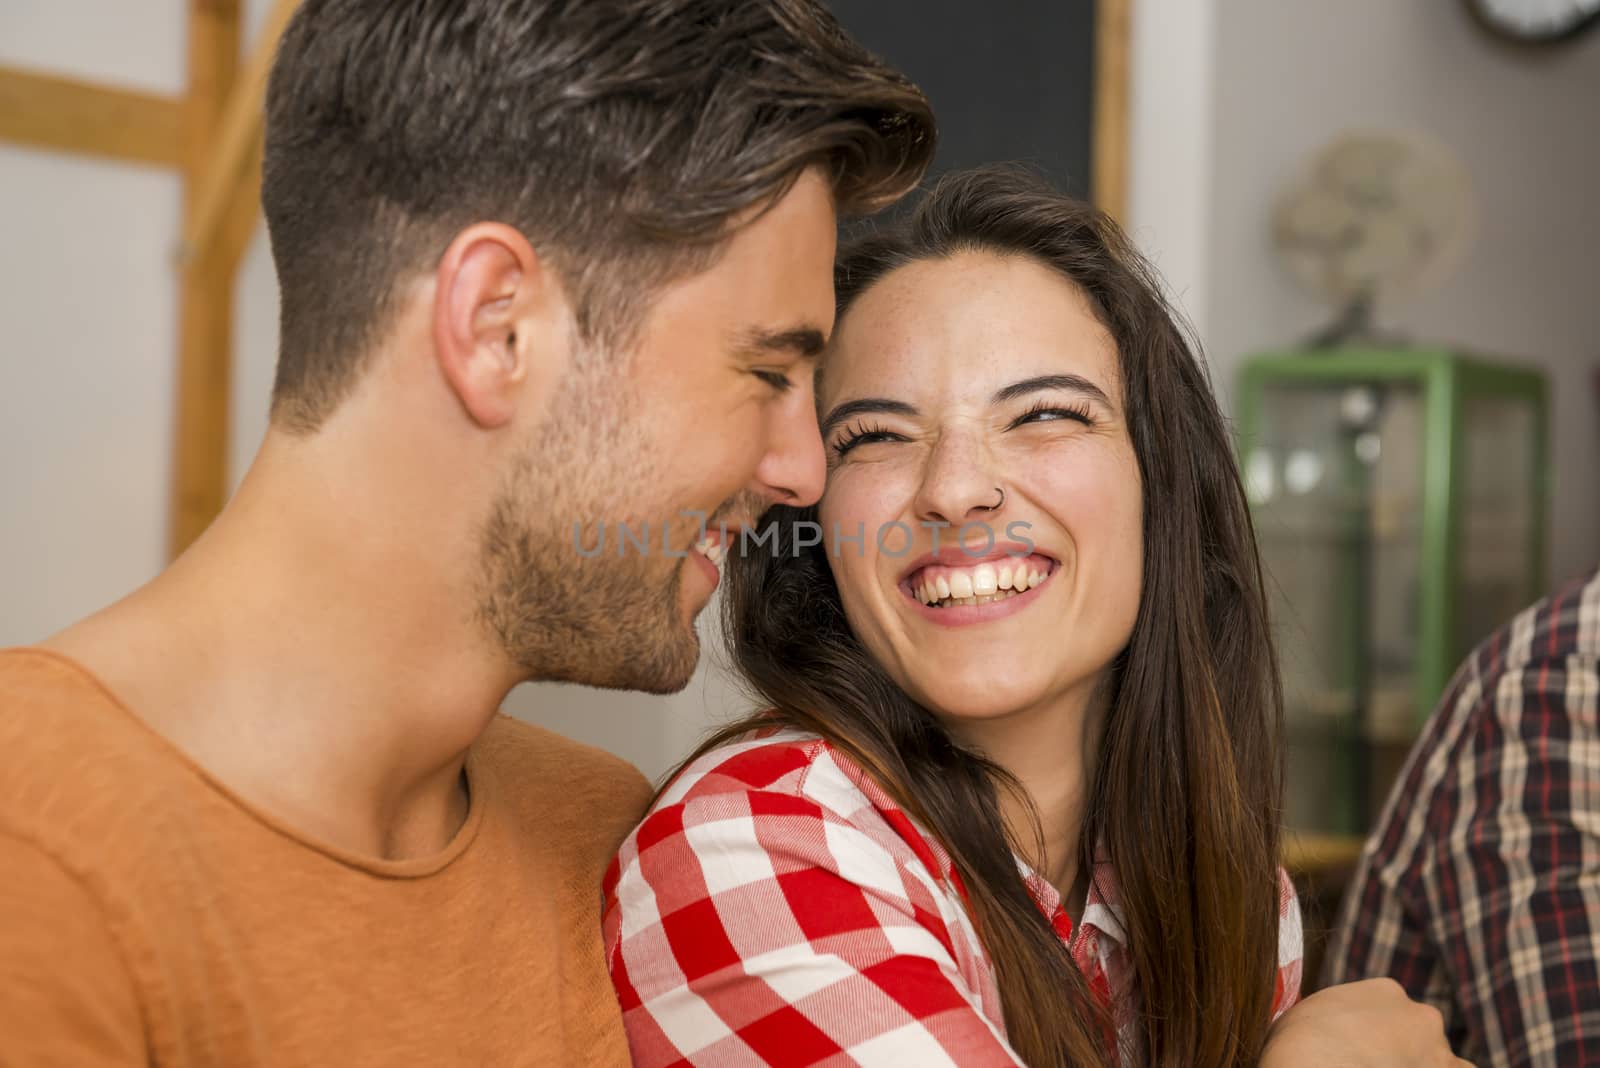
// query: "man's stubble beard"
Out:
[606,620]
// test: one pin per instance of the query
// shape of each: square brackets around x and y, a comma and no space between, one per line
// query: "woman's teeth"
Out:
[712,550]
[981,584]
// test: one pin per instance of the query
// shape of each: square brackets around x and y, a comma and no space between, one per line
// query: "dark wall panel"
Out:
[1009,79]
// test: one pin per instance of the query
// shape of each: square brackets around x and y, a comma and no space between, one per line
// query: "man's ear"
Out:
[496,315]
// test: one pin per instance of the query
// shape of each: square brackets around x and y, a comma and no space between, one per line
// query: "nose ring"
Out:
[1001,502]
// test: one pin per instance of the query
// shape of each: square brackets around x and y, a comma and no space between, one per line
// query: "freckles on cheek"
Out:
[850,499]
[1098,503]
[1091,489]
[852,506]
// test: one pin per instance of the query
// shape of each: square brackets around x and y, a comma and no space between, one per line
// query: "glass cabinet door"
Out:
[1499,525]
[1335,480]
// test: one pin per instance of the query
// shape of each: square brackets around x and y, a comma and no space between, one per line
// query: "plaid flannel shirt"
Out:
[776,907]
[1479,892]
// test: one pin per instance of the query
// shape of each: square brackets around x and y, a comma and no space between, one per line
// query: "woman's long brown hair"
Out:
[1184,799]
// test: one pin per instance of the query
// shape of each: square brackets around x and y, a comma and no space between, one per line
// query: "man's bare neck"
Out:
[322,705]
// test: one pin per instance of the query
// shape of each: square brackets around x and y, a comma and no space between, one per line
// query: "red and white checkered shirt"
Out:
[777,907]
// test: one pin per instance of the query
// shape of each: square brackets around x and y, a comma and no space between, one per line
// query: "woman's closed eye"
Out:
[1045,412]
[862,434]
[1042,413]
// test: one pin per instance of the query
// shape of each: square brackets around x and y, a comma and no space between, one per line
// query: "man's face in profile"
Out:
[709,410]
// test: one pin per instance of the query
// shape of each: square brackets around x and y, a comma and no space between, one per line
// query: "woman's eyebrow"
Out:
[885,406]
[880,405]
[1074,383]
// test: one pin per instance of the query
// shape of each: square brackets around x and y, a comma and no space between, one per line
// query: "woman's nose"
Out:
[959,484]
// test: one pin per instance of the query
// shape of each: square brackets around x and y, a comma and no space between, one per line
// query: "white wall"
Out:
[1170,139]
[87,308]
[1289,75]
[88,303]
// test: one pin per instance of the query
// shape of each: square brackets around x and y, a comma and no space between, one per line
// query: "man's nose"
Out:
[793,470]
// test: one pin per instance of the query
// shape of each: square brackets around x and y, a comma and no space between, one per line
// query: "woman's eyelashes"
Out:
[1041,413]
[862,434]
[1047,412]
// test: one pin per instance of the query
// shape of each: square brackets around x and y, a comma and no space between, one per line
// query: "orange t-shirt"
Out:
[150,917]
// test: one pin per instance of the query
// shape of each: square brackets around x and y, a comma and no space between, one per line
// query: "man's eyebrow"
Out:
[881,405]
[806,341]
[1074,383]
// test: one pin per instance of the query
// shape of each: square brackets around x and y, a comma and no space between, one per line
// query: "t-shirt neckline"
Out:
[477,785]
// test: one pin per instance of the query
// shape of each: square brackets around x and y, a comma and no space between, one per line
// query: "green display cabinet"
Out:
[1399,498]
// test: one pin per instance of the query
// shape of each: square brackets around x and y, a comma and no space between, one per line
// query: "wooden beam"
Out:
[222,198]
[235,138]
[66,115]
[1305,853]
[242,217]
[205,291]
[1113,39]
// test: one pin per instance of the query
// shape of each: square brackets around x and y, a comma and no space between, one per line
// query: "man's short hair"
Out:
[621,137]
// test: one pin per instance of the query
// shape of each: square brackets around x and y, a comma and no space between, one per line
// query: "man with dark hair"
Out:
[545,265]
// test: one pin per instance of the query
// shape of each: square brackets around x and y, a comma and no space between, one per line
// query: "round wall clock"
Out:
[1535,22]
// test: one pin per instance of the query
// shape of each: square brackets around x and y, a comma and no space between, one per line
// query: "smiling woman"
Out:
[1003,377]
[1015,797]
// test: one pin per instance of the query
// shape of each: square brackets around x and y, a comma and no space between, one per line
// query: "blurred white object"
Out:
[1375,218]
